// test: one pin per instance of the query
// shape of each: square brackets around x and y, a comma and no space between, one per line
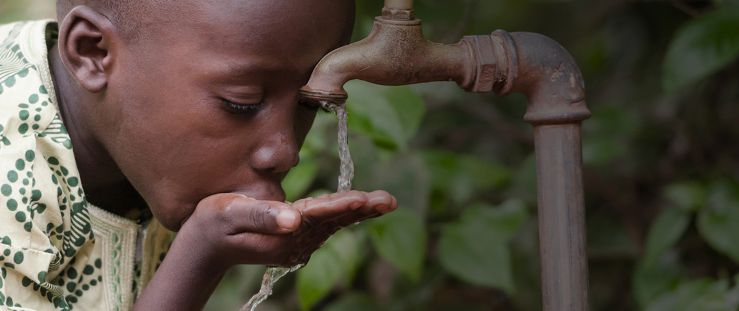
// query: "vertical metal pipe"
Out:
[561,217]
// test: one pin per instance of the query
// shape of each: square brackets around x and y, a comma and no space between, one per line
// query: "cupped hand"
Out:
[235,229]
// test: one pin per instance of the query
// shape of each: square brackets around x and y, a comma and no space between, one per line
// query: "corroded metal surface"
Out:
[561,216]
[396,53]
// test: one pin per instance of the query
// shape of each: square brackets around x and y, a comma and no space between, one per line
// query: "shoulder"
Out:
[26,90]
[44,223]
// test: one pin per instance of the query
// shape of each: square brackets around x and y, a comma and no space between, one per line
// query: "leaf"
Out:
[686,195]
[651,281]
[354,302]
[400,238]
[475,249]
[461,175]
[523,183]
[335,261]
[389,115]
[299,179]
[666,230]
[609,132]
[406,177]
[700,295]
[701,47]
[238,279]
[608,238]
[718,223]
[409,107]
[322,134]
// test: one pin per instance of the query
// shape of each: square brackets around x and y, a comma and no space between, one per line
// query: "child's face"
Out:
[166,119]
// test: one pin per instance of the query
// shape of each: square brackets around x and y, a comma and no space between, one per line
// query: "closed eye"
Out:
[241,108]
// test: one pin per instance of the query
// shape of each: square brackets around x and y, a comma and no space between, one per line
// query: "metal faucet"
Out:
[396,53]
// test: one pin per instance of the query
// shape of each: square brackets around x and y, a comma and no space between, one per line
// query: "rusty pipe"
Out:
[546,73]
[561,215]
[396,53]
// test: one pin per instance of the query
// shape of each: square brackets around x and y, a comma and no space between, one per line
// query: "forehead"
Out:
[286,33]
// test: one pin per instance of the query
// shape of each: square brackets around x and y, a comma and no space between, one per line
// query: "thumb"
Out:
[268,217]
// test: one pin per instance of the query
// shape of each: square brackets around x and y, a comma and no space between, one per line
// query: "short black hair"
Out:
[127,15]
[131,16]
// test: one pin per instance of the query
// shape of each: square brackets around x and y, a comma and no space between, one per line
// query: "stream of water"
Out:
[346,174]
[346,170]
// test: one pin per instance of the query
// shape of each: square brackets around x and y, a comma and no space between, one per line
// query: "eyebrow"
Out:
[239,72]
[235,68]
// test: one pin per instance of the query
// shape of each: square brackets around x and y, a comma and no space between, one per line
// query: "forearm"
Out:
[184,281]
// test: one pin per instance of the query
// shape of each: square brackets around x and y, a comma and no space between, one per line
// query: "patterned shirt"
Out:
[57,251]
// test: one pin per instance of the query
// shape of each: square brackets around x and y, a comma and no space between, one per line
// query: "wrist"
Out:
[185,279]
[192,249]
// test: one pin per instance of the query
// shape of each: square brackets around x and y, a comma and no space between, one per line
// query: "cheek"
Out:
[172,151]
[176,163]
[165,137]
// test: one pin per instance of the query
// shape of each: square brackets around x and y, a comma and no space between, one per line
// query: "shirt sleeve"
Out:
[44,221]
[31,228]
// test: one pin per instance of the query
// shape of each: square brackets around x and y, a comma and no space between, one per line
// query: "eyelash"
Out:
[242,108]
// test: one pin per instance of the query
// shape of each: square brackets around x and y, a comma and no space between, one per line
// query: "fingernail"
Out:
[286,219]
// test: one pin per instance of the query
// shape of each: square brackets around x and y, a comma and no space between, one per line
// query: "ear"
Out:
[85,41]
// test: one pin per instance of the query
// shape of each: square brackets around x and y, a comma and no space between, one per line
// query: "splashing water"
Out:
[271,276]
[346,174]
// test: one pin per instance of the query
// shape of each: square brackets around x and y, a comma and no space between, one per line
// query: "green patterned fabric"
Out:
[57,251]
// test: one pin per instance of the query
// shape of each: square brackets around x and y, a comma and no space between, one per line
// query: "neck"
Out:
[104,184]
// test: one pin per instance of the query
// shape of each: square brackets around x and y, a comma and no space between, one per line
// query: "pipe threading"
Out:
[494,60]
[399,4]
[506,49]
[398,14]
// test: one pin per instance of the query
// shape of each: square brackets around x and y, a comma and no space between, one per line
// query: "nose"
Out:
[277,153]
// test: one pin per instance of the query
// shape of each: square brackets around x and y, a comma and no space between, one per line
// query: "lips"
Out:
[268,192]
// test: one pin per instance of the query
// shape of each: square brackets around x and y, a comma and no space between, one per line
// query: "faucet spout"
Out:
[394,53]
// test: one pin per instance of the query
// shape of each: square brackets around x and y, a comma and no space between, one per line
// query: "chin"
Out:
[173,215]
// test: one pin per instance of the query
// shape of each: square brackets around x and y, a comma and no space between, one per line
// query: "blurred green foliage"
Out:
[13,10]
[660,155]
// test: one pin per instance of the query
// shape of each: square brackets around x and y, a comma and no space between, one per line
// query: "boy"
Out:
[185,109]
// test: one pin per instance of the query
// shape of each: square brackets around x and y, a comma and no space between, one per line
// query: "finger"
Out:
[246,214]
[325,215]
[378,203]
[331,204]
[381,201]
[345,208]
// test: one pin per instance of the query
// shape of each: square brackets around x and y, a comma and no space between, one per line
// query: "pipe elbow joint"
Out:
[546,73]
